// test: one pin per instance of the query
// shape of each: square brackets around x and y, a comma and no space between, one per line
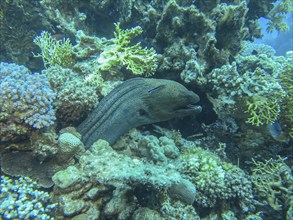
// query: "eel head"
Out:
[167,99]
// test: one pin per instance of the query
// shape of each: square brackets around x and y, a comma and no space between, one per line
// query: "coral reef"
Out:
[22,199]
[252,78]
[286,80]
[90,47]
[177,210]
[26,101]
[134,176]
[20,21]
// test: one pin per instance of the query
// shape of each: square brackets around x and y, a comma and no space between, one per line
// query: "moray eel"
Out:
[137,101]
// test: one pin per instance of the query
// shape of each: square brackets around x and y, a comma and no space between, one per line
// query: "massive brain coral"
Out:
[25,101]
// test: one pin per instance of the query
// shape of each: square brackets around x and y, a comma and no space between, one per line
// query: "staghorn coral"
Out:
[273,184]
[119,53]
[22,199]
[54,52]
[26,101]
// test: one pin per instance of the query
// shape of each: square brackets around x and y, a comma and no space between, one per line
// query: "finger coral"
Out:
[74,96]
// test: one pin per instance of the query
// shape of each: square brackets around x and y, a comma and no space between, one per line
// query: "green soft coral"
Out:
[118,53]
[54,52]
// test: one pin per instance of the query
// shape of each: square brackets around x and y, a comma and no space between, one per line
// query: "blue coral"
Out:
[25,98]
[21,199]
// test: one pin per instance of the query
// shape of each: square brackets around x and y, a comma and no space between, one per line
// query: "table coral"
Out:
[26,101]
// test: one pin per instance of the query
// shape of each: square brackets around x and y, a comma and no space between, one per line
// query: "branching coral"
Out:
[22,199]
[262,110]
[54,52]
[26,101]
[119,53]
[273,183]
[277,15]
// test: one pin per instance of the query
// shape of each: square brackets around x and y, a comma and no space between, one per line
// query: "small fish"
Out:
[276,132]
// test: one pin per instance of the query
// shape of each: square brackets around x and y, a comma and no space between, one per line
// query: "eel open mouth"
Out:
[189,109]
[195,107]
[192,106]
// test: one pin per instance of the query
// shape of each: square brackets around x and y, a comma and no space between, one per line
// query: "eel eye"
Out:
[142,112]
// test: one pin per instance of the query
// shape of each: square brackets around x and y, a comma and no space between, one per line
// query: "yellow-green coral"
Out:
[54,52]
[273,183]
[140,61]
[262,110]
